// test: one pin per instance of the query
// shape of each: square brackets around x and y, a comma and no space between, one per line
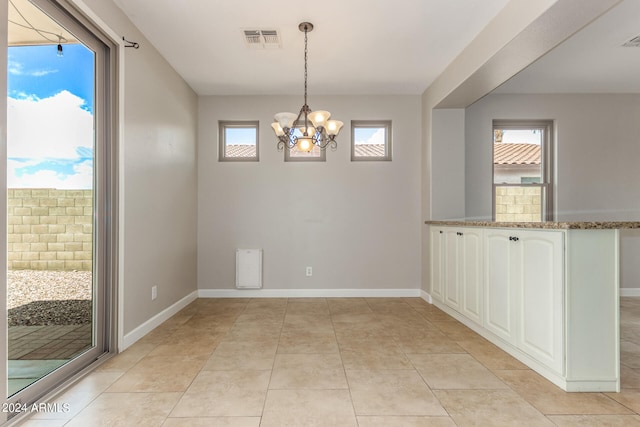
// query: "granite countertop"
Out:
[549,225]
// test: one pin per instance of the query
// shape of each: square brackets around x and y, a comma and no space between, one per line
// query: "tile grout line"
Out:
[344,370]
[273,364]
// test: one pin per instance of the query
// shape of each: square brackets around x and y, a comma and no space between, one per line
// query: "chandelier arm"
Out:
[324,143]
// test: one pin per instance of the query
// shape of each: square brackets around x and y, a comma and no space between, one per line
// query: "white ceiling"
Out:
[357,46]
[591,61]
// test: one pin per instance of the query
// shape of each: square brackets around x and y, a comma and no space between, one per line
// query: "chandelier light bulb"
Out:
[319,118]
[305,144]
[277,128]
[333,127]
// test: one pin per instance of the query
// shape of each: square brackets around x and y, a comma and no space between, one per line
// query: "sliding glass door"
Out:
[59,175]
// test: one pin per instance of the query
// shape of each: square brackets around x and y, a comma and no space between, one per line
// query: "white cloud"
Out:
[51,127]
[17,69]
[23,95]
[47,140]
[521,136]
[81,179]
[14,68]
[41,73]
[376,138]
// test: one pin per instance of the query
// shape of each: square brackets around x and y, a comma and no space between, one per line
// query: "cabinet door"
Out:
[471,274]
[452,263]
[437,260]
[540,296]
[499,292]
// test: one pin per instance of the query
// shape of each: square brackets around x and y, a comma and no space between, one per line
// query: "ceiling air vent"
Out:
[262,39]
[634,42]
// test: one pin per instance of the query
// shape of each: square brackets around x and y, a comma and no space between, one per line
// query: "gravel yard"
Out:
[37,298]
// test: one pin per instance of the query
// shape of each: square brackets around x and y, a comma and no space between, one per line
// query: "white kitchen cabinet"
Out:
[547,296]
[524,291]
[540,296]
[452,267]
[470,273]
[498,291]
[456,274]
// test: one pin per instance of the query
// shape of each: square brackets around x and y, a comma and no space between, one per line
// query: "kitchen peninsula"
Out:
[546,292]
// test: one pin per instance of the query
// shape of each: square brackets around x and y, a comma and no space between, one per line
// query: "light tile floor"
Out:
[333,362]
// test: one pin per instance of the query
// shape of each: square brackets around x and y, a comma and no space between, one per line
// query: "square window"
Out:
[370,140]
[238,141]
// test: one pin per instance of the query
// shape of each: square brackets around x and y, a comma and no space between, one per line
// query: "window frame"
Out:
[547,167]
[237,124]
[372,124]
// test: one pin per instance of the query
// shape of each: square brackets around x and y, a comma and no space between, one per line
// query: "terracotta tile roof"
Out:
[516,154]
[240,150]
[369,150]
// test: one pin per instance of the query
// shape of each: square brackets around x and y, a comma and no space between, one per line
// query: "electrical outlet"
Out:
[154,292]
[309,271]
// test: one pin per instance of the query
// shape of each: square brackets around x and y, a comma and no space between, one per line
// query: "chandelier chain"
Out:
[305,65]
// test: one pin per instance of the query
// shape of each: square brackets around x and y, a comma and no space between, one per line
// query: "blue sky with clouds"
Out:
[364,135]
[50,129]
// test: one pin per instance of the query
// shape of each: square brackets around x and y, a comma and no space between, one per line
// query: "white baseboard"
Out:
[630,292]
[308,293]
[425,296]
[156,320]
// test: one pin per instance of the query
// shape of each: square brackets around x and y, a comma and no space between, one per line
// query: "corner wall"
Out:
[356,223]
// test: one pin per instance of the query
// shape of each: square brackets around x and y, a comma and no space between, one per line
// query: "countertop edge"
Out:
[549,225]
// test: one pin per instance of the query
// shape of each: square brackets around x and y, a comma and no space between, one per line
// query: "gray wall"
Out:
[597,152]
[448,172]
[160,125]
[356,223]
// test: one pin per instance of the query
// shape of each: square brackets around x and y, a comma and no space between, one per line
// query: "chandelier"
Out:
[307,129]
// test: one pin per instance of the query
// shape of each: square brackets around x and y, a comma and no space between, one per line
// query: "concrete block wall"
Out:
[518,204]
[50,229]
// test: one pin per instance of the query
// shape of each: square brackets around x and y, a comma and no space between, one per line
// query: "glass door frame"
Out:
[106,207]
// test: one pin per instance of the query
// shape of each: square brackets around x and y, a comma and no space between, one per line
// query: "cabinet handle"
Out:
[459,233]
[513,238]
[441,231]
